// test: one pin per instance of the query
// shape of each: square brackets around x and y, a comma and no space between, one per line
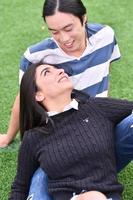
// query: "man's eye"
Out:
[68,29]
[54,33]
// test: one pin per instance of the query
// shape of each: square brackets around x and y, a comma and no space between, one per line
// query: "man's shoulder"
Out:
[45,44]
[94,28]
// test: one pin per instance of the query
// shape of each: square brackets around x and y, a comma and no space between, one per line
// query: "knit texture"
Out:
[79,152]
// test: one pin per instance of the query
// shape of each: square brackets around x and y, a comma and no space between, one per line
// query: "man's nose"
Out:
[64,37]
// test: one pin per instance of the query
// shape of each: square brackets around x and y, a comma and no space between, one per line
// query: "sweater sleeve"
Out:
[114,109]
[27,164]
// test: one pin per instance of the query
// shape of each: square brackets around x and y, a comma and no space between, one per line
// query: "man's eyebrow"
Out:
[51,29]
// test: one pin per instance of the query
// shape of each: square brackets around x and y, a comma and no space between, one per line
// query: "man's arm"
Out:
[6,139]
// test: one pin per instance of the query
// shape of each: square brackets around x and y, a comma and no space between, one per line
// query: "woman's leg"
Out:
[124,142]
[39,189]
[92,195]
[95,195]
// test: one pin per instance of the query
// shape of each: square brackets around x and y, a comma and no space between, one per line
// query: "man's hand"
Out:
[4,140]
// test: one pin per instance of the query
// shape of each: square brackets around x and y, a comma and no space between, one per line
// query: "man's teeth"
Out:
[68,44]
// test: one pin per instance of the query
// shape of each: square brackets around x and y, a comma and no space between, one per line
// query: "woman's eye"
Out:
[46,72]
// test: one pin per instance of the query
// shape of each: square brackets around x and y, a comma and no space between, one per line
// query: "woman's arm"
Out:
[27,164]
[114,109]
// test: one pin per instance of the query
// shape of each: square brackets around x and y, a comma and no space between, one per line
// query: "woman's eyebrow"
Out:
[43,70]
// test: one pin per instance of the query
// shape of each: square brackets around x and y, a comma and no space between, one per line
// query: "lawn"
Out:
[21,25]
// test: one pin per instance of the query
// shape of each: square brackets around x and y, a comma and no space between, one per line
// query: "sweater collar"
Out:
[72,105]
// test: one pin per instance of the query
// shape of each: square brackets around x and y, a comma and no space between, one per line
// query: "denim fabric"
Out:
[124,150]
[124,142]
[39,189]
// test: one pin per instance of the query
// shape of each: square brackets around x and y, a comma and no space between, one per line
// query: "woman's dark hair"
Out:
[32,114]
[74,7]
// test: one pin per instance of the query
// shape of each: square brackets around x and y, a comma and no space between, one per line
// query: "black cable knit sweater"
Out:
[79,152]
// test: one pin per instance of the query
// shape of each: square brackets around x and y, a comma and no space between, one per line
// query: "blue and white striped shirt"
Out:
[90,71]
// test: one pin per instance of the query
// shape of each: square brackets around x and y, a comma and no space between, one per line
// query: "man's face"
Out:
[52,82]
[68,31]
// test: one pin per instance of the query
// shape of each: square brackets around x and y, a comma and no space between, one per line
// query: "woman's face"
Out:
[68,31]
[52,82]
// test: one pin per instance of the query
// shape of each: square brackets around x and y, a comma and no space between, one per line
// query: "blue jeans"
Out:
[39,187]
[124,154]
[124,142]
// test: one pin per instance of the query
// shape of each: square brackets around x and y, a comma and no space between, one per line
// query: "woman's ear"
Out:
[39,96]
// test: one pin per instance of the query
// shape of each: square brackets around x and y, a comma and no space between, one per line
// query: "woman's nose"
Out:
[60,71]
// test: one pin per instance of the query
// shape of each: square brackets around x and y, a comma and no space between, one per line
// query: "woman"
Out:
[69,135]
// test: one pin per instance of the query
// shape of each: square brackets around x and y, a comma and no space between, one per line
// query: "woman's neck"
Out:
[57,104]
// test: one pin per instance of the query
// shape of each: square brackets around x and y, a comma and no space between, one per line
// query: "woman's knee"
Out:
[92,195]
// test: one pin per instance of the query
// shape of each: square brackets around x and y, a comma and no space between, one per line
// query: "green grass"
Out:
[21,25]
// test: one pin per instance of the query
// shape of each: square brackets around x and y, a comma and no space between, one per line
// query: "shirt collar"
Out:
[73,104]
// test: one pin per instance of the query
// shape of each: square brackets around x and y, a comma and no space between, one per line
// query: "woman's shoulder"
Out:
[80,96]
[36,133]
